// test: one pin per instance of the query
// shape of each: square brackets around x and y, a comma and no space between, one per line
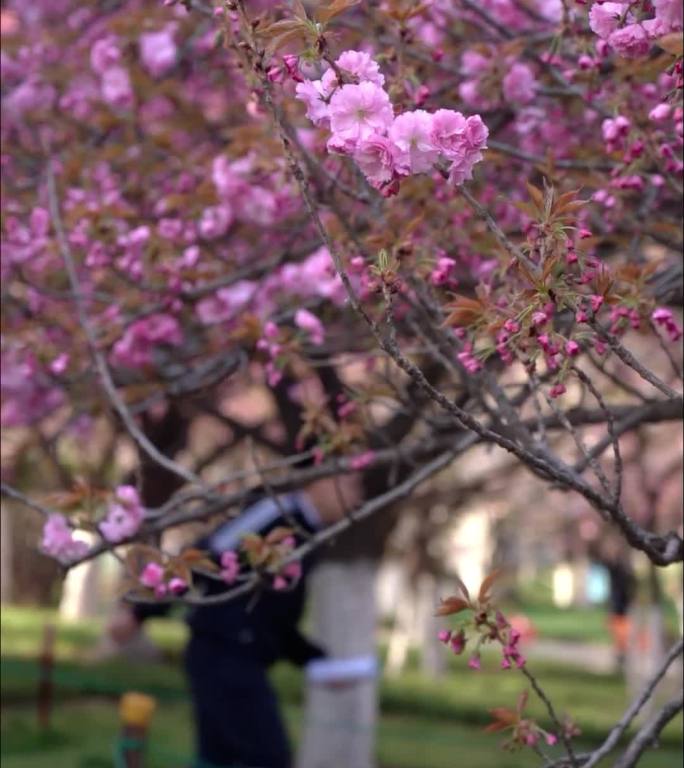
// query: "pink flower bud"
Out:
[177,585]
[152,575]
[660,113]
[557,390]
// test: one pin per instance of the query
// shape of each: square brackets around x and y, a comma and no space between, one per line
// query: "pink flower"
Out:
[308,322]
[669,13]
[279,584]
[444,635]
[116,87]
[613,130]
[124,517]
[551,739]
[474,662]
[359,111]
[58,539]
[134,349]
[59,364]
[596,302]
[375,156]
[361,65]
[312,94]
[519,84]
[660,113]
[448,133]
[158,51]
[476,133]
[572,348]
[226,302]
[362,460]
[152,576]
[292,571]
[604,18]
[631,41]
[664,318]
[458,642]
[557,390]
[128,495]
[230,567]
[411,133]
[104,54]
[442,271]
[462,170]
[215,221]
[177,585]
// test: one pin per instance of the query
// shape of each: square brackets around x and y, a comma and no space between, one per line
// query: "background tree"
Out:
[473,239]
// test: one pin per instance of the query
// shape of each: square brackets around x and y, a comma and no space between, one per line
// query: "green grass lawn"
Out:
[424,723]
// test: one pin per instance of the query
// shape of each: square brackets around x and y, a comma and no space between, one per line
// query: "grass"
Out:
[424,723]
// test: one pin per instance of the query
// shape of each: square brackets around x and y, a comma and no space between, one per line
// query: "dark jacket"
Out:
[262,625]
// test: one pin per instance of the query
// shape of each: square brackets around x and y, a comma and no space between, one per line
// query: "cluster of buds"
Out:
[525,732]
[156,577]
[266,554]
[663,317]
[268,344]
[485,625]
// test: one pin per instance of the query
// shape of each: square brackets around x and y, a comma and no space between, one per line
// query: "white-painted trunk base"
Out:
[339,723]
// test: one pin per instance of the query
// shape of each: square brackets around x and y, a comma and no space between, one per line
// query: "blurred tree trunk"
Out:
[432,655]
[81,598]
[6,555]
[339,725]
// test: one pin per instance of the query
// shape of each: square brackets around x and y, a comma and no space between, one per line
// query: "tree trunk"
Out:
[432,653]
[6,552]
[81,597]
[339,726]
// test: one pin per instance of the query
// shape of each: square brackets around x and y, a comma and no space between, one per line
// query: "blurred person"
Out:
[233,643]
[621,593]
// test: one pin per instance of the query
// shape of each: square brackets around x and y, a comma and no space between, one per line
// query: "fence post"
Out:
[135,713]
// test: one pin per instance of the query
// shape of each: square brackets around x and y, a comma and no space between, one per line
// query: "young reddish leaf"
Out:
[279,28]
[452,605]
[299,10]
[537,196]
[462,587]
[278,534]
[522,701]
[464,311]
[487,585]
[324,15]
[138,556]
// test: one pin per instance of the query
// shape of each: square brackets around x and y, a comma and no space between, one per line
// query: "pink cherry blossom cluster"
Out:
[58,540]
[136,347]
[116,88]
[498,630]
[28,391]
[628,35]
[268,343]
[518,84]
[230,566]
[663,317]
[124,516]
[311,325]
[387,147]
[153,576]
